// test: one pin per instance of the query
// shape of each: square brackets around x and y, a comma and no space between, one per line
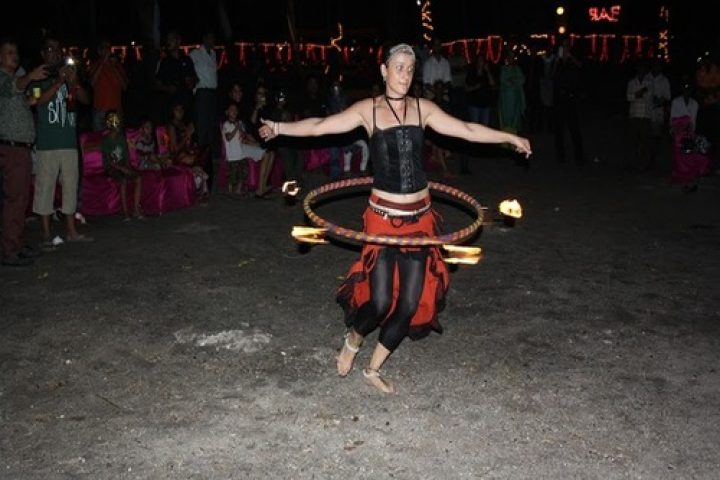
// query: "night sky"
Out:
[365,21]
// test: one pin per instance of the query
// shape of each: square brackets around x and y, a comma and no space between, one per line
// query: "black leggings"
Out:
[411,266]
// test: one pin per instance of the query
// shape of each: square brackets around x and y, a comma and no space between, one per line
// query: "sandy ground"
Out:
[201,344]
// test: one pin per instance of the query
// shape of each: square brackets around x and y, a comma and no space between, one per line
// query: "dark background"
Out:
[82,21]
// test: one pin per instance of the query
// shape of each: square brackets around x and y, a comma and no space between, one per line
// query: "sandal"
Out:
[350,348]
[373,377]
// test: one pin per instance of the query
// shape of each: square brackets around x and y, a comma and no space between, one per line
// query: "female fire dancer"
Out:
[399,289]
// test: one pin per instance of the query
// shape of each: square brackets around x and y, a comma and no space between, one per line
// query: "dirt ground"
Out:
[200,344]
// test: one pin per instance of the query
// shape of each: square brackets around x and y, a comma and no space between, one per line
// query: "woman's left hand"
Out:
[521,145]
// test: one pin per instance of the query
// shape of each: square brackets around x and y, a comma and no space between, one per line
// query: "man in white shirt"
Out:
[205,62]
[661,98]
[639,94]
[436,68]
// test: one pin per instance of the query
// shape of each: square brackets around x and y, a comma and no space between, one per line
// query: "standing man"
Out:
[56,145]
[174,80]
[109,81]
[436,68]
[566,83]
[639,94]
[17,135]
[205,62]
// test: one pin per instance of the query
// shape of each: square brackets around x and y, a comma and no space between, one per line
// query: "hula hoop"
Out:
[341,233]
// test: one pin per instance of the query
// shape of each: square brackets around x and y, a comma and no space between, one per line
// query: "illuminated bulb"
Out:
[560,10]
[561,30]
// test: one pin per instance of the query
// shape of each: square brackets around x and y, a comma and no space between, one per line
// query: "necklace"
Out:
[387,100]
[395,98]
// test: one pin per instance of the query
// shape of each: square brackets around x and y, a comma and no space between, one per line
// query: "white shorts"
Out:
[50,163]
[252,151]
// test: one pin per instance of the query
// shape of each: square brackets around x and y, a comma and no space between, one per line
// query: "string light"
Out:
[663,43]
[490,54]
[426,21]
[593,44]
[334,40]
[605,49]
[491,47]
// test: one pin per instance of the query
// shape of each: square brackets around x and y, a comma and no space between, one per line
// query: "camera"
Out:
[53,71]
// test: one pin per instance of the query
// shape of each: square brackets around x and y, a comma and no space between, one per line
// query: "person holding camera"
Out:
[56,143]
[108,80]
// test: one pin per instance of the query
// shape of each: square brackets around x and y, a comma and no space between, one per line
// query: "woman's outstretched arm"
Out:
[344,121]
[441,122]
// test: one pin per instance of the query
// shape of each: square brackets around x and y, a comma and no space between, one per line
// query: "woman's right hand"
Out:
[269,129]
[521,145]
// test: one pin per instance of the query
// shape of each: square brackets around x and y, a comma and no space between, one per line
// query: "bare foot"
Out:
[347,355]
[373,377]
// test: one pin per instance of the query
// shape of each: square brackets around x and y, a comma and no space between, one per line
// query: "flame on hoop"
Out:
[309,234]
[511,208]
[462,255]
[291,188]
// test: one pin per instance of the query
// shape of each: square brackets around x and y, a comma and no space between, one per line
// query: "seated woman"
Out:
[117,165]
[184,150]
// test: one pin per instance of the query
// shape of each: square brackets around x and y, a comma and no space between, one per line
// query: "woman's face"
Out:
[398,74]
[178,112]
[236,93]
[147,129]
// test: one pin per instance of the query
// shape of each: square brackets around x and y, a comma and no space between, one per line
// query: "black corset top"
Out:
[397,158]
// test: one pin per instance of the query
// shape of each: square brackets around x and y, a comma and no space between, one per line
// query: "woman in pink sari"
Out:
[690,158]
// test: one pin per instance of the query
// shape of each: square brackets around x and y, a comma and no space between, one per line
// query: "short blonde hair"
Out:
[400,48]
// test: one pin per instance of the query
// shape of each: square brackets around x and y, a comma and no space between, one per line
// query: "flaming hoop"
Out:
[323,227]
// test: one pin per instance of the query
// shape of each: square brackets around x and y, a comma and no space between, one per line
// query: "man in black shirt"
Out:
[567,80]
[174,80]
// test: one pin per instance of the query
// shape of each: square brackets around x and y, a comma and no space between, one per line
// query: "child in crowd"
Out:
[232,135]
[117,166]
[184,150]
[147,150]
